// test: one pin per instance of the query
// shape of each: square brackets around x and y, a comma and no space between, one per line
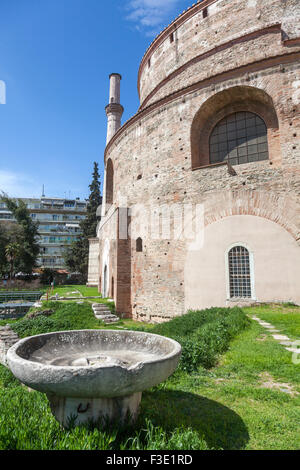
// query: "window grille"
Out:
[239,272]
[239,138]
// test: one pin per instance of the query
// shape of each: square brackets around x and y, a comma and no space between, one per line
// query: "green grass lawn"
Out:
[285,318]
[61,290]
[88,291]
[249,400]
[69,289]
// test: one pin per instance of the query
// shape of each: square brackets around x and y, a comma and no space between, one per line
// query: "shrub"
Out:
[34,326]
[204,334]
[67,316]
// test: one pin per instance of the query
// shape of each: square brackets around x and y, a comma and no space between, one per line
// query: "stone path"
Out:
[102,312]
[283,339]
[7,339]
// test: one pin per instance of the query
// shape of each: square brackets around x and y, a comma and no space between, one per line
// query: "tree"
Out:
[76,256]
[10,233]
[25,233]
[3,244]
[89,224]
[12,252]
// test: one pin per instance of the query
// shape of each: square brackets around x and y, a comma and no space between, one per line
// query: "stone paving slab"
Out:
[281,337]
[286,343]
[284,340]
[293,350]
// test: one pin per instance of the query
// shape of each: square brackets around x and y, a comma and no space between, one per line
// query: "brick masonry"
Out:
[245,54]
[206,47]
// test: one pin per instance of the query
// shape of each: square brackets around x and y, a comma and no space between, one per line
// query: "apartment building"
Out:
[58,220]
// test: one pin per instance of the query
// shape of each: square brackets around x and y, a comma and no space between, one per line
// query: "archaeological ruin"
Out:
[202,185]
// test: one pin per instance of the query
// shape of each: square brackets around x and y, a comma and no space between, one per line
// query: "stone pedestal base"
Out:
[84,410]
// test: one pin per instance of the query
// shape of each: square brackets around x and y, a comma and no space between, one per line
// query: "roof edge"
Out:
[178,21]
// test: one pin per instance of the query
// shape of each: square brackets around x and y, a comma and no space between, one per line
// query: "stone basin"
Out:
[92,374]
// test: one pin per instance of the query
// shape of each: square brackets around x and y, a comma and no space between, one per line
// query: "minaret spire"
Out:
[114,110]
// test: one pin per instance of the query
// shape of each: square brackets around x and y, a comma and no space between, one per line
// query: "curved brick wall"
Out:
[153,153]
[235,33]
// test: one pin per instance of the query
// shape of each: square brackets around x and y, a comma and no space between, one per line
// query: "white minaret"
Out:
[114,110]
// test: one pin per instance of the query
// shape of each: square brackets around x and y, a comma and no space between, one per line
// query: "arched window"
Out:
[239,272]
[239,138]
[139,245]
[109,182]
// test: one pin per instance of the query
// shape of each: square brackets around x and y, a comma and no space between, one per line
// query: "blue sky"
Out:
[55,58]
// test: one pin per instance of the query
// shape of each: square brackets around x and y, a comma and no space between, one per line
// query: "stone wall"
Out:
[7,339]
[152,154]
[93,269]
[235,33]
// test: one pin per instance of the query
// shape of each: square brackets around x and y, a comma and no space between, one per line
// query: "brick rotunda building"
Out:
[213,150]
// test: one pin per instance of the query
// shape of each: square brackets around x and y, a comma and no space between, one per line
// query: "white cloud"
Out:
[18,185]
[2,92]
[149,15]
